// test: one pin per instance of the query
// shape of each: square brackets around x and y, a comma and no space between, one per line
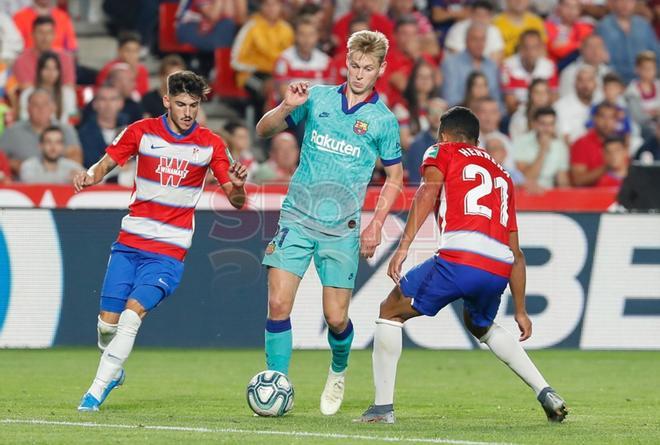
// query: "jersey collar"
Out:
[459,145]
[163,119]
[372,99]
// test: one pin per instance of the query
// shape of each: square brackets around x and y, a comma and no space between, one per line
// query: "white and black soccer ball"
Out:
[270,394]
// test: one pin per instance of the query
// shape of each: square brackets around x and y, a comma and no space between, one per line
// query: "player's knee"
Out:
[106,332]
[336,322]
[279,308]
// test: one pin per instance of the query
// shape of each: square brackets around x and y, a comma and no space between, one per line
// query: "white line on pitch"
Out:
[241,431]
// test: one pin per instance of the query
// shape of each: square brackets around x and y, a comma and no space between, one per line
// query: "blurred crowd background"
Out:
[567,92]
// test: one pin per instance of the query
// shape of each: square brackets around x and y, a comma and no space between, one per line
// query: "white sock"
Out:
[116,352]
[507,348]
[106,332]
[387,350]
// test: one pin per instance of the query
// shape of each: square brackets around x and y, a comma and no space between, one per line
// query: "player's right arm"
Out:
[275,120]
[94,174]
[517,283]
[423,203]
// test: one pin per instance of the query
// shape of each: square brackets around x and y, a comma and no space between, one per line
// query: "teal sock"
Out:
[279,343]
[341,347]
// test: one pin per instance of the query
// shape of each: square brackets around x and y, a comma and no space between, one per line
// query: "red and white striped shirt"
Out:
[169,181]
[516,79]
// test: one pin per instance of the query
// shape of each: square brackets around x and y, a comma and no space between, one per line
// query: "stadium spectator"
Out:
[574,110]
[8,91]
[445,13]
[514,21]
[122,77]
[303,60]
[625,35]
[412,111]
[643,93]
[481,12]
[49,78]
[402,56]
[282,160]
[456,68]
[402,8]
[490,119]
[368,9]
[21,140]
[496,146]
[594,9]
[64,35]
[338,68]
[11,41]
[5,169]
[128,52]
[476,88]
[99,131]
[257,47]
[414,156]
[649,152]
[6,114]
[587,159]
[565,32]
[152,102]
[592,53]
[616,163]
[50,166]
[240,145]
[25,67]
[209,24]
[613,89]
[527,64]
[540,155]
[539,95]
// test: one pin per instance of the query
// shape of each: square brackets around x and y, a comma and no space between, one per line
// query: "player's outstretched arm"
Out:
[94,174]
[423,203]
[370,238]
[517,285]
[274,121]
[234,189]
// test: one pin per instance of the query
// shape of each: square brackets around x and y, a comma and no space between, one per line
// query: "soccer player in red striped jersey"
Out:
[479,255]
[146,262]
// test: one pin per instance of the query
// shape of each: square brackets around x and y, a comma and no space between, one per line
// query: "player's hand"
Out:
[82,180]
[369,240]
[238,174]
[525,325]
[296,94]
[394,269]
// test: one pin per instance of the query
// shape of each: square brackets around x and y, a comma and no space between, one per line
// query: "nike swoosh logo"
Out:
[154,147]
[161,281]
[324,114]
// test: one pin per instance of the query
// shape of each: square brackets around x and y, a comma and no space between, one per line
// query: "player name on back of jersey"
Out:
[327,143]
[467,152]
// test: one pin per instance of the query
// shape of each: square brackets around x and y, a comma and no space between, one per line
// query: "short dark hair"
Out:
[612,78]
[128,37]
[308,9]
[544,111]
[303,19]
[529,33]
[187,82]
[483,4]
[232,124]
[169,61]
[50,129]
[407,19]
[461,122]
[43,20]
[604,105]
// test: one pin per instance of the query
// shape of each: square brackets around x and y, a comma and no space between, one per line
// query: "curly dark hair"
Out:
[187,82]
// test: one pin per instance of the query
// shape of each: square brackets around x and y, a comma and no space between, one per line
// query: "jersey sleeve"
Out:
[220,162]
[438,157]
[300,113]
[389,146]
[126,145]
[512,222]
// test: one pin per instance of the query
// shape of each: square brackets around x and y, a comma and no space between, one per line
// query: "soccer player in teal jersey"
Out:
[347,128]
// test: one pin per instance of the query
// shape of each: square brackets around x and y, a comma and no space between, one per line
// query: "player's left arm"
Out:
[94,174]
[371,235]
[235,187]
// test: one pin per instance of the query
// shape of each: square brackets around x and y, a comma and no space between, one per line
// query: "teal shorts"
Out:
[336,258]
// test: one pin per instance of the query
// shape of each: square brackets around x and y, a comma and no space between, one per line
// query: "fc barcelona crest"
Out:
[360,127]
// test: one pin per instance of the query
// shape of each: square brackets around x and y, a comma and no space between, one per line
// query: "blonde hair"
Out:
[373,43]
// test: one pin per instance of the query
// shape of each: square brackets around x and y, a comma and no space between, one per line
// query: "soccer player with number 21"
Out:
[479,256]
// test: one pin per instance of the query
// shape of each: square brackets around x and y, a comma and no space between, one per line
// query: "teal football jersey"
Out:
[337,158]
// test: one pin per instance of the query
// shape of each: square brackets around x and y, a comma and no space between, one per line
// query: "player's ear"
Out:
[166,102]
[383,67]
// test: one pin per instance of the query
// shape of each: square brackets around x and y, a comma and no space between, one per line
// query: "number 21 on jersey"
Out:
[472,207]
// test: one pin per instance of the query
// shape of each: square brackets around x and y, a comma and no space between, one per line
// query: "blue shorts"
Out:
[435,283]
[144,276]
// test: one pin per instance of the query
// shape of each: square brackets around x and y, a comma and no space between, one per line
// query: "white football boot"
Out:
[333,393]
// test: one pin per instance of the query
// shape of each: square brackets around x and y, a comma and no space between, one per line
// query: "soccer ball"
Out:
[270,394]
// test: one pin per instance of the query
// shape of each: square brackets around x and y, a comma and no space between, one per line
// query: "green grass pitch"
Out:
[442,397]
